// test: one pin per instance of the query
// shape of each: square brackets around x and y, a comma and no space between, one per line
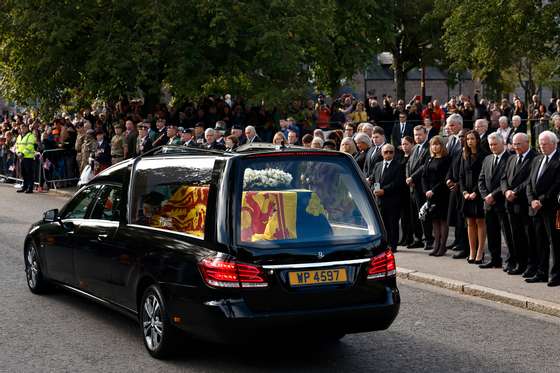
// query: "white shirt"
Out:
[541,168]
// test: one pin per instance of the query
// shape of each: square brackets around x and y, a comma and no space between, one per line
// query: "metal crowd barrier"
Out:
[54,168]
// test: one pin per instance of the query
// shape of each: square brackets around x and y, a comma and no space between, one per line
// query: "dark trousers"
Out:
[524,240]
[547,237]
[411,229]
[419,199]
[27,173]
[390,217]
[496,224]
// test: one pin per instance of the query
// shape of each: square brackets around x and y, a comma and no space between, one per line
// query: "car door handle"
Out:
[102,236]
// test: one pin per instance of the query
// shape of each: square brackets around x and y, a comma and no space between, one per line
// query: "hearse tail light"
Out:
[224,273]
[382,266]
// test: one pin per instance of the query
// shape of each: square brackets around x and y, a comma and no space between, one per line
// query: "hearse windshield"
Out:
[309,198]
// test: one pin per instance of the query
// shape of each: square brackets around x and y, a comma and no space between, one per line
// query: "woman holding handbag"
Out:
[437,193]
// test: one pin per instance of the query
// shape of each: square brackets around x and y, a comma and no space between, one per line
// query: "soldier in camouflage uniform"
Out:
[119,148]
[79,142]
[89,146]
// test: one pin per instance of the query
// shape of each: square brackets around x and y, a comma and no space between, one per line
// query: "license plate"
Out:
[323,276]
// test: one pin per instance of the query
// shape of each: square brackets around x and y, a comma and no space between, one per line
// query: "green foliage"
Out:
[416,31]
[494,36]
[80,50]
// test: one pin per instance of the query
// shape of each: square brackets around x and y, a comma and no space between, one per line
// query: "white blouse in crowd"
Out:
[504,132]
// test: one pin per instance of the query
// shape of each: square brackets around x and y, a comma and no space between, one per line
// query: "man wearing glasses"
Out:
[388,181]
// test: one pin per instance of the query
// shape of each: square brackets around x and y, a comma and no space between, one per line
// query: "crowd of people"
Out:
[488,169]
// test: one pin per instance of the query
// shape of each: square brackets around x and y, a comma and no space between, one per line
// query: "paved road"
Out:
[436,331]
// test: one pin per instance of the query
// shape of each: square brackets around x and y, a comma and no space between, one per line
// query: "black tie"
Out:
[518,163]
[496,158]
[385,168]
[402,129]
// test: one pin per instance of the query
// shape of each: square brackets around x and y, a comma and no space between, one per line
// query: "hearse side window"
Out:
[172,194]
[78,206]
[108,203]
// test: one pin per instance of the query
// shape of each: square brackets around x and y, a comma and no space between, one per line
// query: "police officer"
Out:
[118,145]
[26,145]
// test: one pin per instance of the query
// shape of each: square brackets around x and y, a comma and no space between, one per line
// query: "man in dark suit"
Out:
[489,184]
[188,139]
[481,126]
[542,189]
[363,144]
[143,142]
[161,134]
[388,181]
[414,168]
[514,184]
[455,218]
[374,155]
[400,130]
[251,135]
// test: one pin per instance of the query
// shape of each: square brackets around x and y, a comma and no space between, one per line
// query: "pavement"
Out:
[459,276]
[468,279]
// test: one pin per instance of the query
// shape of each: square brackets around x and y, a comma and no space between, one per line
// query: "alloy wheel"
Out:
[152,322]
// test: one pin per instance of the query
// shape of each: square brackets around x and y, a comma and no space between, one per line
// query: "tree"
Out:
[492,36]
[343,38]
[271,50]
[415,30]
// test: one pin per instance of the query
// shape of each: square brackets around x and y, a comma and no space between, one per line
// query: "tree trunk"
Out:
[400,77]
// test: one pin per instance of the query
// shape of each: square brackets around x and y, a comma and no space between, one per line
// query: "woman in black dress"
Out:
[473,205]
[437,193]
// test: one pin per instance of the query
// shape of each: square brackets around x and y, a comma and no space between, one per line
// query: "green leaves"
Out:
[492,36]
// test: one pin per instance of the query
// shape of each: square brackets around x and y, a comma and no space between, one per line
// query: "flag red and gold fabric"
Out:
[185,211]
[268,215]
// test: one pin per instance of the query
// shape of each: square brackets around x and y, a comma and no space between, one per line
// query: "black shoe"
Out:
[456,248]
[529,272]
[555,282]
[428,247]
[517,270]
[28,191]
[20,190]
[415,245]
[509,267]
[491,264]
[479,262]
[461,255]
[536,279]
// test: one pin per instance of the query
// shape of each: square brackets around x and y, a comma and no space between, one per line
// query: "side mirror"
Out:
[51,216]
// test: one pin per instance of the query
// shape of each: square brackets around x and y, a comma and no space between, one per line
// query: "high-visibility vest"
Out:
[26,145]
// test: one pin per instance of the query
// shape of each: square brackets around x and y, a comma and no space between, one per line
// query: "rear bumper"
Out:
[231,320]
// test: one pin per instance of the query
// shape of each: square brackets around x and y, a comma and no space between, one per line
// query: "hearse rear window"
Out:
[172,194]
[303,199]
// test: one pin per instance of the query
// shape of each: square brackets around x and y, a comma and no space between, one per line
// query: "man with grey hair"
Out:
[388,181]
[363,143]
[542,191]
[514,183]
[481,126]
[210,137]
[455,218]
[489,185]
[251,135]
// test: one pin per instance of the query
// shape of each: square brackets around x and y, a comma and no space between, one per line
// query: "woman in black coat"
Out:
[437,193]
[473,204]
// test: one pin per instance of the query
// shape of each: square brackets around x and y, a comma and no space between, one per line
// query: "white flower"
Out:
[269,177]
